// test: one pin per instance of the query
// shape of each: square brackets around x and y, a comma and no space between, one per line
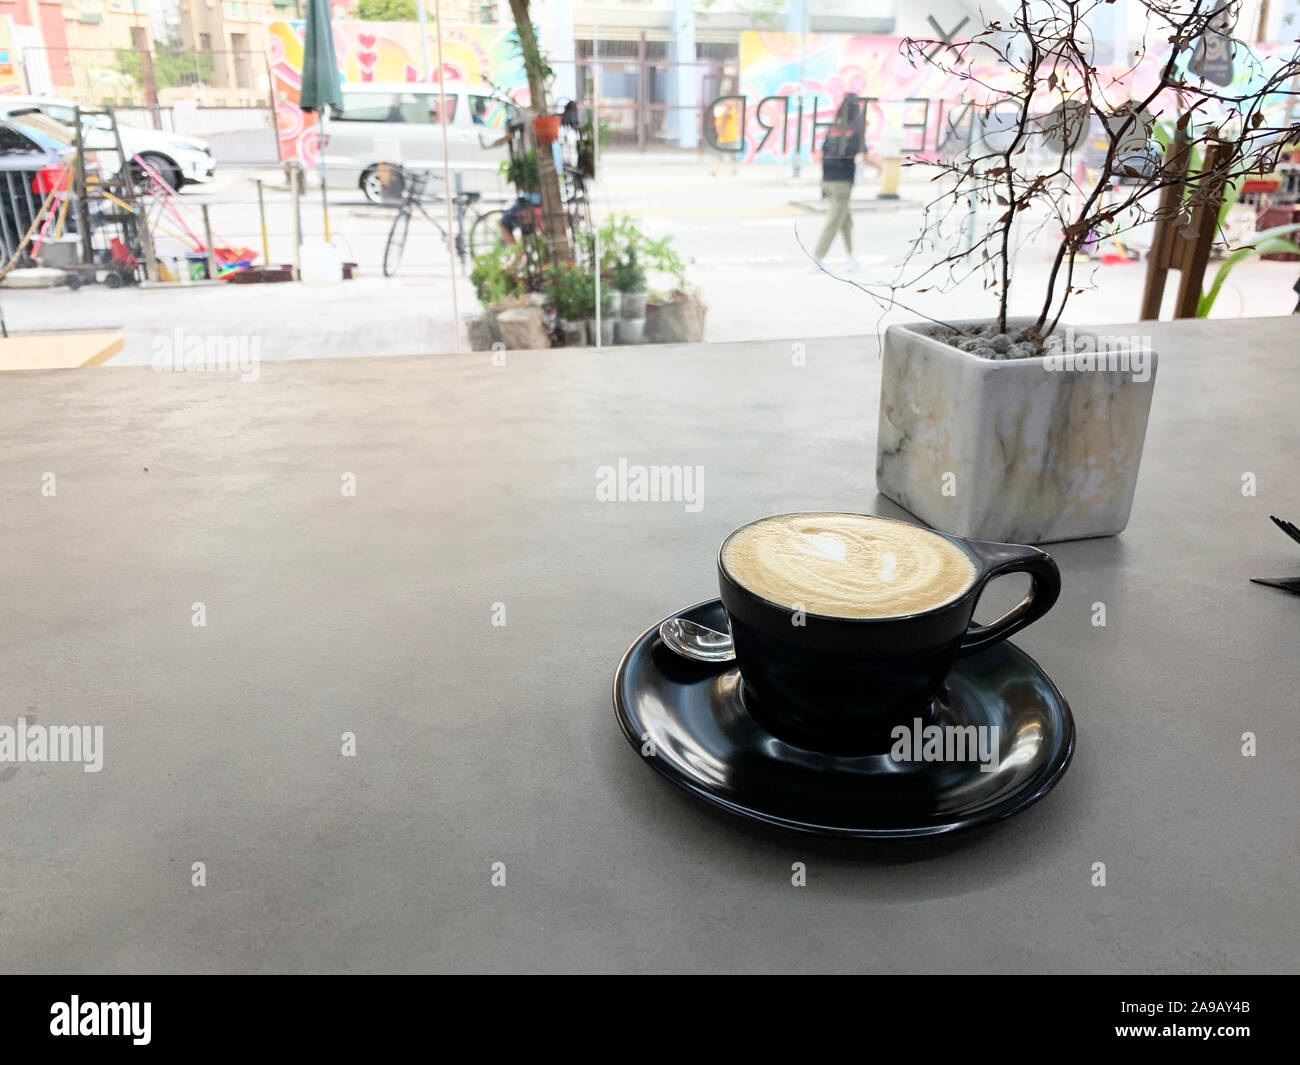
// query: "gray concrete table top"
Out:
[479,743]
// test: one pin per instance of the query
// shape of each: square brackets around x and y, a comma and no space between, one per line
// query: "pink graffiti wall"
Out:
[383,52]
[913,101]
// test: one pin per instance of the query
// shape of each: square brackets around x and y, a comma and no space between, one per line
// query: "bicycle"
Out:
[413,189]
[487,230]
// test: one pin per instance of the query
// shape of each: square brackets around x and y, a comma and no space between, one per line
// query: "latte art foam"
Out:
[848,565]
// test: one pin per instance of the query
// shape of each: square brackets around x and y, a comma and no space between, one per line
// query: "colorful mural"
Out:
[10,76]
[384,51]
[909,104]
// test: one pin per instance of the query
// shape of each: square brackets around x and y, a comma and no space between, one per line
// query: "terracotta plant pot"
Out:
[546,128]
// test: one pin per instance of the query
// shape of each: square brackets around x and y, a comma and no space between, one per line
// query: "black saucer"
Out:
[705,741]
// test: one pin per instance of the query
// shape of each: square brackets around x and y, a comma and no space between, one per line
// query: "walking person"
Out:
[839,162]
[726,128]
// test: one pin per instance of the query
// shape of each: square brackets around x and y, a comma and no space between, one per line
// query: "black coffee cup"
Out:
[842,683]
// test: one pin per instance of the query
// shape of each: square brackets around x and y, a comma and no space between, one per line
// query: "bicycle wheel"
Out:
[485,233]
[396,242]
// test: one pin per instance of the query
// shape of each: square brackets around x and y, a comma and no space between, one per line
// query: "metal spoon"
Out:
[696,642]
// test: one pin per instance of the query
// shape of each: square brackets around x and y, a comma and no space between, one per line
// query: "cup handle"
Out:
[999,560]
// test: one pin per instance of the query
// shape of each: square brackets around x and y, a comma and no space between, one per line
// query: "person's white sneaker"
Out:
[815,267]
[851,264]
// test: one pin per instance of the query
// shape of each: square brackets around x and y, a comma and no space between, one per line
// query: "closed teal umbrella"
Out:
[320,67]
[320,80]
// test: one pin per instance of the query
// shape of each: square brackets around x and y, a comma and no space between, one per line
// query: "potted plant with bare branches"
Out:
[545,125]
[1019,427]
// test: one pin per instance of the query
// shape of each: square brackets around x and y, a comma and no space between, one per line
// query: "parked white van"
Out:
[398,123]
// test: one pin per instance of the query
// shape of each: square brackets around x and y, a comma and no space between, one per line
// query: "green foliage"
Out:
[1163,134]
[386,10]
[1265,242]
[1231,194]
[571,291]
[498,274]
[587,147]
[172,68]
[522,171]
[620,238]
[629,276]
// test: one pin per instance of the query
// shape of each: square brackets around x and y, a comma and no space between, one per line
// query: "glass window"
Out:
[491,111]
[413,107]
[434,100]
[14,143]
[44,130]
[66,115]
[367,107]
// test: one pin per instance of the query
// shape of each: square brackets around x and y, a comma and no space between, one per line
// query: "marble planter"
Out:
[1017,450]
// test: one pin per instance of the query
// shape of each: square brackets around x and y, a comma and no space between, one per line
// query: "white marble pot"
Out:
[1015,450]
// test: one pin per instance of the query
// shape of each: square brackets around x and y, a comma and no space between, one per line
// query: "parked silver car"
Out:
[398,123]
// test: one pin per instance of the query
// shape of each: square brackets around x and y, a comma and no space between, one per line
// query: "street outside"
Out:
[742,230]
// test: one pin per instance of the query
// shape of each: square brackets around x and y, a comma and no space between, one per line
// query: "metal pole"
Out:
[141,209]
[424,37]
[80,192]
[324,191]
[641,108]
[595,152]
[295,174]
[207,240]
[446,167]
[261,213]
[797,166]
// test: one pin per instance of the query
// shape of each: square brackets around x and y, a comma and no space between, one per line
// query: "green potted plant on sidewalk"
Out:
[630,283]
[568,288]
[500,281]
[674,315]
[630,261]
